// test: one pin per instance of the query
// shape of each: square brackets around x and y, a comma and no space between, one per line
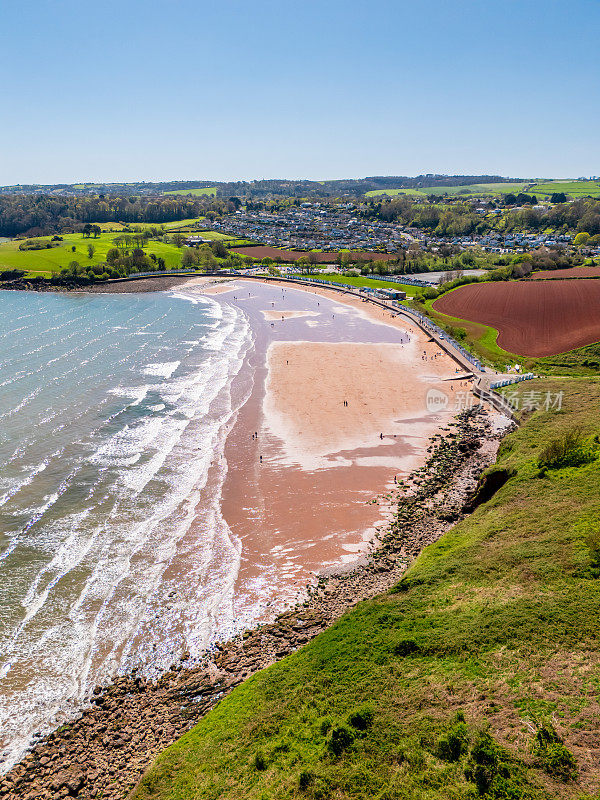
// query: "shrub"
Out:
[406,647]
[305,779]
[340,739]
[325,726]
[259,762]
[486,763]
[552,754]
[593,542]
[362,718]
[11,274]
[453,744]
[568,450]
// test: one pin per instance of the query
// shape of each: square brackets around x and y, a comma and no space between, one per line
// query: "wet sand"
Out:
[304,469]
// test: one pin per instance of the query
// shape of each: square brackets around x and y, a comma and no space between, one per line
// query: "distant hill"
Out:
[352,187]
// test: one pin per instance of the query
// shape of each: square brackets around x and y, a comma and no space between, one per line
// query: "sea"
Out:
[114,554]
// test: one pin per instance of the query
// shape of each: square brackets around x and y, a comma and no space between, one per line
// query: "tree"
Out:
[581,239]
[112,255]
[91,250]
[558,197]
[313,259]
[87,230]
[178,239]
[219,249]
[189,258]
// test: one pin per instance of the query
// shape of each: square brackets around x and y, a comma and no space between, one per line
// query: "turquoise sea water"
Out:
[113,550]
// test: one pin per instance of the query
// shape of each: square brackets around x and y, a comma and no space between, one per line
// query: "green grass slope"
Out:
[471,189]
[477,677]
[573,188]
[360,281]
[206,191]
[44,262]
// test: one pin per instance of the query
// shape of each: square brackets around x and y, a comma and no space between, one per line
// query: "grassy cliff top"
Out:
[477,676]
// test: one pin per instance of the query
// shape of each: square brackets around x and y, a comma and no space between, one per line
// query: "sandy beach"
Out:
[335,415]
[332,412]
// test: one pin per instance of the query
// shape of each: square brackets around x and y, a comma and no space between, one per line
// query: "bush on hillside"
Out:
[340,739]
[455,742]
[11,274]
[37,244]
[571,449]
[489,768]
[362,718]
[552,755]
[593,542]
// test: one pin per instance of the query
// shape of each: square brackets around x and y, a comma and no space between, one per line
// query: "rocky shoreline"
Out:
[105,751]
[129,286]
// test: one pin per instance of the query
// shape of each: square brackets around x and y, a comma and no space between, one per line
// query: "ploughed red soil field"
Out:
[262,251]
[573,272]
[532,319]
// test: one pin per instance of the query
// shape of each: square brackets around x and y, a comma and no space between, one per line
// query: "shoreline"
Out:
[108,747]
[358,559]
[302,468]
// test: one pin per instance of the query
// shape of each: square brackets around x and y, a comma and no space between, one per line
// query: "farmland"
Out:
[574,272]
[572,188]
[532,319]
[206,191]
[322,258]
[44,262]
[541,189]
[466,189]
[396,192]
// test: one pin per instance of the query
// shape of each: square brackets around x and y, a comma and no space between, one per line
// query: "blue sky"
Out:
[175,89]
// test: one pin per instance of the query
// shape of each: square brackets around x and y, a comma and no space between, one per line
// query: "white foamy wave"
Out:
[149,478]
[164,370]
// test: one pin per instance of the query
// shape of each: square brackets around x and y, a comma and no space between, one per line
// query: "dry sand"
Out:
[299,494]
[384,386]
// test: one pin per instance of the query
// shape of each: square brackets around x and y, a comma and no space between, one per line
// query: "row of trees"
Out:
[40,215]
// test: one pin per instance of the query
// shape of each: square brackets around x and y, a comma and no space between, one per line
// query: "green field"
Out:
[479,188]
[396,192]
[477,676]
[572,188]
[468,189]
[44,262]
[206,191]
[372,282]
[216,236]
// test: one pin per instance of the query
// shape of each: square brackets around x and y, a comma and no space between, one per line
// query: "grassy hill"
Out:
[210,191]
[573,188]
[472,189]
[477,676]
[43,262]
